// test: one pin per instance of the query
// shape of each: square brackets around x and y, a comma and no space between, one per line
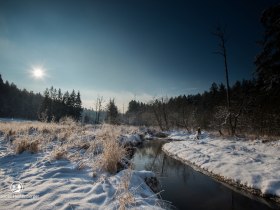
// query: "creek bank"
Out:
[251,166]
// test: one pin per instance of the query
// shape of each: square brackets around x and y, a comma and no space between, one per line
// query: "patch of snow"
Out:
[251,163]
[185,135]
[14,120]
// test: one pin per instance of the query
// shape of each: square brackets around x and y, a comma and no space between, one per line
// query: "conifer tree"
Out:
[112,112]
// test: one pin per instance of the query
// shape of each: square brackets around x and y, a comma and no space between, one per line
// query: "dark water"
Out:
[187,189]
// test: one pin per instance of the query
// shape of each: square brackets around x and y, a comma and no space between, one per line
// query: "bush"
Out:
[26,145]
[58,154]
[113,152]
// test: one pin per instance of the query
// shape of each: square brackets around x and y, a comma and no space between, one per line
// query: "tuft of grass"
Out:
[81,165]
[111,156]
[127,195]
[58,154]
[112,153]
[124,195]
[67,121]
[26,144]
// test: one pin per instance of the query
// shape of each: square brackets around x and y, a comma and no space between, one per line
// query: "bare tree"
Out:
[161,112]
[156,104]
[98,108]
[221,33]
[165,112]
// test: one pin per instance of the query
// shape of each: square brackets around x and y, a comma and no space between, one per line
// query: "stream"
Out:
[186,188]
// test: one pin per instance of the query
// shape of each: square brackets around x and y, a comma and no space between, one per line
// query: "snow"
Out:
[14,120]
[58,184]
[184,135]
[250,163]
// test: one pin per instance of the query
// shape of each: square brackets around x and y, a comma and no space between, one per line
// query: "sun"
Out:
[38,73]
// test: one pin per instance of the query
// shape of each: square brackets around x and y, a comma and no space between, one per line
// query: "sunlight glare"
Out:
[38,73]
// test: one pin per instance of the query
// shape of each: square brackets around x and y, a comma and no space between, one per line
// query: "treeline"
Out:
[52,106]
[57,105]
[16,103]
[249,106]
[249,111]
[90,116]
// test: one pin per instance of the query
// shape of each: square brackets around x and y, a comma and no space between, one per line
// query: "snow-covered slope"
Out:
[50,183]
[250,163]
[59,185]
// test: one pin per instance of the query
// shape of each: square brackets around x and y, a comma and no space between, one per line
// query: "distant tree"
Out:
[160,110]
[44,110]
[2,95]
[59,95]
[86,119]
[98,108]
[112,112]
[1,81]
[268,61]
[71,103]
[78,107]
[57,105]
[220,33]
[266,114]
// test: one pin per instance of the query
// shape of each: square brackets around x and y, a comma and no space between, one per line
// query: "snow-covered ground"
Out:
[253,164]
[13,120]
[35,181]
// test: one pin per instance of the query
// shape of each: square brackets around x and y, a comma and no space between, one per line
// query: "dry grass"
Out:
[29,145]
[124,195]
[67,139]
[86,146]
[112,152]
[58,154]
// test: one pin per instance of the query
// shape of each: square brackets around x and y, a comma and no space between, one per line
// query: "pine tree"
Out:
[112,112]
[44,110]
[78,106]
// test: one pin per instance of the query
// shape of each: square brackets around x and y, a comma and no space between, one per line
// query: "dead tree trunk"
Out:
[164,112]
[156,110]
[98,106]
[220,33]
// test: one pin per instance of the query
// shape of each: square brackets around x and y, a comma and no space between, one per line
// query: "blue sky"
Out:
[126,49]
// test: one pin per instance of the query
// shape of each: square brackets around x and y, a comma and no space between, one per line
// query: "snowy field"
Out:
[251,164]
[13,120]
[50,179]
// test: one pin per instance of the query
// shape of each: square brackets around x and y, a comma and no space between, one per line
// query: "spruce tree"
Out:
[112,112]
[78,106]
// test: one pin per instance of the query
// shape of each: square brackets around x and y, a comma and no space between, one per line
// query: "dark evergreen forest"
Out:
[16,103]
[53,105]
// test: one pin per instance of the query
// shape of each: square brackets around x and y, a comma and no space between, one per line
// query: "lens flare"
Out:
[38,73]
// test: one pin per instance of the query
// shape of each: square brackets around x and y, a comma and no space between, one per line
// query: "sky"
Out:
[133,49]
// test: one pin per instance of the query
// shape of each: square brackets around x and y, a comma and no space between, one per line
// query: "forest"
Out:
[52,106]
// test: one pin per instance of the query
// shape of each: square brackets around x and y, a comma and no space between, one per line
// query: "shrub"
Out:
[26,145]
[67,121]
[113,152]
[58,154]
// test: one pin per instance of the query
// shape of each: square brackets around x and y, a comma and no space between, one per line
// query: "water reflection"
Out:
[189,189]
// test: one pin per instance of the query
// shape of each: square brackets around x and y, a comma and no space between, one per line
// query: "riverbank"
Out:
[250,165]
[69,166]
